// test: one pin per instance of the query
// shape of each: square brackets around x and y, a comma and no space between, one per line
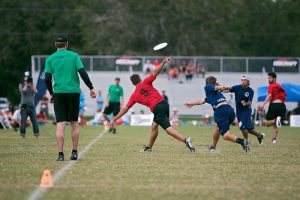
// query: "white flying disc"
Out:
[160,46]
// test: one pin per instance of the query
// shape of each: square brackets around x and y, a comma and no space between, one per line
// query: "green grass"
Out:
[114,169]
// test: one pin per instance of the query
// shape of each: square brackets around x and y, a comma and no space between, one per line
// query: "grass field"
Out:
[113,168]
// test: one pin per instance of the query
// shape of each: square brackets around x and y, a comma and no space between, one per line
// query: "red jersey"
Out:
[277,92]
[145,94]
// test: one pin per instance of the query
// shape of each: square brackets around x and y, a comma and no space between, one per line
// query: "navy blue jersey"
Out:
[213,97]
[242,93]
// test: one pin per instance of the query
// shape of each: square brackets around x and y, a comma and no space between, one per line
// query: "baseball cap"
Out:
[27,73]
[245,77]
[61,38]
[117,79]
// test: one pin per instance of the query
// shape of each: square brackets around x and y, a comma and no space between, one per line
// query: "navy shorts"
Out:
[244,119]
[224,116]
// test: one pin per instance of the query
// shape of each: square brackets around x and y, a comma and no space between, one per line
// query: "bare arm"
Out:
[106,100]
[160,67]
[118,116]
[268,98]
[122,101]
[194,103]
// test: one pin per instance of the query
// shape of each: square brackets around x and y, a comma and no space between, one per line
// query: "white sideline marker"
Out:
[38,193]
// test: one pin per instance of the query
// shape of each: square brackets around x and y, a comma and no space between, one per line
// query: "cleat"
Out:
[189,144]
[74,156]
[22,135]
[146,149]
[246,146]
[211,149]
[114,131]
[278,121]
[261,138]
[60,158]
[110,130]
[274,141]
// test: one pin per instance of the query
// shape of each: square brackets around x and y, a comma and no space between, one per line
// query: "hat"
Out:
[245,77]
[61,38]
[27,73]
[117,79]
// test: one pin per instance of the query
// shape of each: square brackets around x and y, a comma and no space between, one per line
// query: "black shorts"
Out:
[275,110]
[66,106]
[113,107]
[161,114]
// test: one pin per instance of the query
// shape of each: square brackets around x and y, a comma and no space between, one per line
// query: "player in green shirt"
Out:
[63,65]
[114,102]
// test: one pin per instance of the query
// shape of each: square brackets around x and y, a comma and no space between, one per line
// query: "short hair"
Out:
[272,74]
[60,44]
[211,80]
[135,79]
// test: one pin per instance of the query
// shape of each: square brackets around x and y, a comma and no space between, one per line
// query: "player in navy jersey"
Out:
[243,98]
[147,95]
[223,113]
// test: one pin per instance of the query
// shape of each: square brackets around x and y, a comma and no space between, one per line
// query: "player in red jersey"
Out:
[147,95]
[276,112]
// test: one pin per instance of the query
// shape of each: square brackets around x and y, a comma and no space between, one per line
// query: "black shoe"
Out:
[261,138]
[246,146]
[74,156]
[189,144]
[110,130]
[60,157]
[22,135]
[146,149]
[114,131]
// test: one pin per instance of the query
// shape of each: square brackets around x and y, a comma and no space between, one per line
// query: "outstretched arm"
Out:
[118,116]
[160,67]
[222,88]
[194,103]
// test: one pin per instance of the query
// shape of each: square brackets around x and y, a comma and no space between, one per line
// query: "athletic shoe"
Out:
[146,149]
[274,141]
[74,156]
[189,144]
[211,149]
[22,135]
[37,135]
[110,130]
[261,138]
[114,131]
[60,157]
[278,121]
[246,146]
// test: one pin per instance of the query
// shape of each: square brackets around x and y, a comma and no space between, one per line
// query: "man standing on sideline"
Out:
[28,91]
[114,102]
[276,112]
[147,95]
[243,99]
[63,65]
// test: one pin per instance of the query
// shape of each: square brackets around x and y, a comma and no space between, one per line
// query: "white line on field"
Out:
[38,193]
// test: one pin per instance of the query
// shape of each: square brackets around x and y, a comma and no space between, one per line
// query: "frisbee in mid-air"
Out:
[160,46]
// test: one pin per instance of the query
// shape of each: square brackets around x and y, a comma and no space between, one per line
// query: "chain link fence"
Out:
[200,63]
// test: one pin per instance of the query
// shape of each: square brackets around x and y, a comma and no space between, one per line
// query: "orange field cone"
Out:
[46,180]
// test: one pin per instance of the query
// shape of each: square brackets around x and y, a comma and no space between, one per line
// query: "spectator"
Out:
[163,93]
[200,69]
[189,71]
[261,112]
[155,63]
[173,72]
[42,118]
[296,111]
[44,106]
[81,108]
[148,67]
[174,118]
[27,90]
[16,120]
[99,101]
[207,120]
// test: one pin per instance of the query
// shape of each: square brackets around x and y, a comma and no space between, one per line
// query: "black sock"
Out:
[60,153]
[74,151]
[239,141]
